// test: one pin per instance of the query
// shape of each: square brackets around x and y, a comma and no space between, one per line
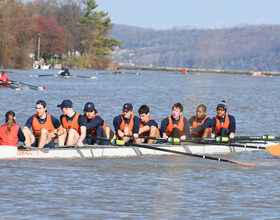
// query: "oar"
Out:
[192,155]
[58,75]
[263,138]
[86,77]
[273,149]
[28,85]
[10,86]
[42,75]
[227,139]
[119,142]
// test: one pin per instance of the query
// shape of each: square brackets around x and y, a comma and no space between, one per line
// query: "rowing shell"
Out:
[109,151]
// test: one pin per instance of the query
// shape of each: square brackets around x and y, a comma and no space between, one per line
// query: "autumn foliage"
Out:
[16,39]
[54,37]
[65,29]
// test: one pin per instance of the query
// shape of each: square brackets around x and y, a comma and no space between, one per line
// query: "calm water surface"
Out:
[165,187]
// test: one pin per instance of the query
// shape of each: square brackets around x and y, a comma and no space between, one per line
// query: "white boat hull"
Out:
[97,151]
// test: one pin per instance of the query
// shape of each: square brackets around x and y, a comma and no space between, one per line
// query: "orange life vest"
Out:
[171,126]
[130,125]
[4,78]
[37,126]
[11,138]
[147,133]
[71,124]
[220,125]
[196,124]
[92,131]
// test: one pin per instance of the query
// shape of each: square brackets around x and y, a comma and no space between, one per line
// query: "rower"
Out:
[74,125]
[176,125]
[127,124]
[95,126]
[201,123]
[46,128]
[223,123]
[148,126]
[64,72]
[10,132]
[4,78]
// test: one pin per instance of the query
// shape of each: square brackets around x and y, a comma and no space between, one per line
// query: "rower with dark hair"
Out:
[176,125]
[10,132]
[95,126]
[64,72]
[223,123]
[148,126]
[200,123]
[46,128]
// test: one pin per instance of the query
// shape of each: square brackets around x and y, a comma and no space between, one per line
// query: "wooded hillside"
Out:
[238,48]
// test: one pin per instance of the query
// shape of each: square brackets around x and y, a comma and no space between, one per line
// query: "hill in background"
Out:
[239,48]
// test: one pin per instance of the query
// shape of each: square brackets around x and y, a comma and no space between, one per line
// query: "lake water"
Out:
[164,187]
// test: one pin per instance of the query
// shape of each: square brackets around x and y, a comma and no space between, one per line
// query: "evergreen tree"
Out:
[95,26]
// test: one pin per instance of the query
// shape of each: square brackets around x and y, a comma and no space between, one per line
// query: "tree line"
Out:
[238,48]
[71,28]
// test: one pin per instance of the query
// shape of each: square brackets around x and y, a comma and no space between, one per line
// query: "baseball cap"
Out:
[41,102]
[89,106]
[66,104]
[127,107]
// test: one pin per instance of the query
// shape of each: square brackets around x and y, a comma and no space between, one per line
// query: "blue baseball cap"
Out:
[89,106]
[41,102]
[66,104]
[127,107]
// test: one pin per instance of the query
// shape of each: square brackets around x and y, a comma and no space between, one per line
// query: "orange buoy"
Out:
[184,71]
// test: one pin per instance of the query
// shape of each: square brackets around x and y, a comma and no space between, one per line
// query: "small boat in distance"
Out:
[39,65]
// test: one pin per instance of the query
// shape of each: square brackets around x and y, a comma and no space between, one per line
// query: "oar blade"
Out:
[242,163]
[274,149]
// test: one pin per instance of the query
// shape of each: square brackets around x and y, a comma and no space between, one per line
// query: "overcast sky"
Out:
[165,14]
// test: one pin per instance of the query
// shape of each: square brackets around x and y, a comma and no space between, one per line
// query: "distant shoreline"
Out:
[246,72]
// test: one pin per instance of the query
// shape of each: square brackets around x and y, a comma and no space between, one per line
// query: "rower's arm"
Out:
[82,136]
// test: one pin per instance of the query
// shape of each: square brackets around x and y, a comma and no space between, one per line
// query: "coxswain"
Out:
[4,78]
[45,128]
[148,126]
[201,125]
[74,125]
[95,126]
[175,125]
[223,123]
[10,132]
[127,124]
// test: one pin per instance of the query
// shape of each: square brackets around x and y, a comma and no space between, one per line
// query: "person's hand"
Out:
[135,135]
[183,137]
[231,135]
[212,135]
[79,144]
[191,130]
[121,134]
